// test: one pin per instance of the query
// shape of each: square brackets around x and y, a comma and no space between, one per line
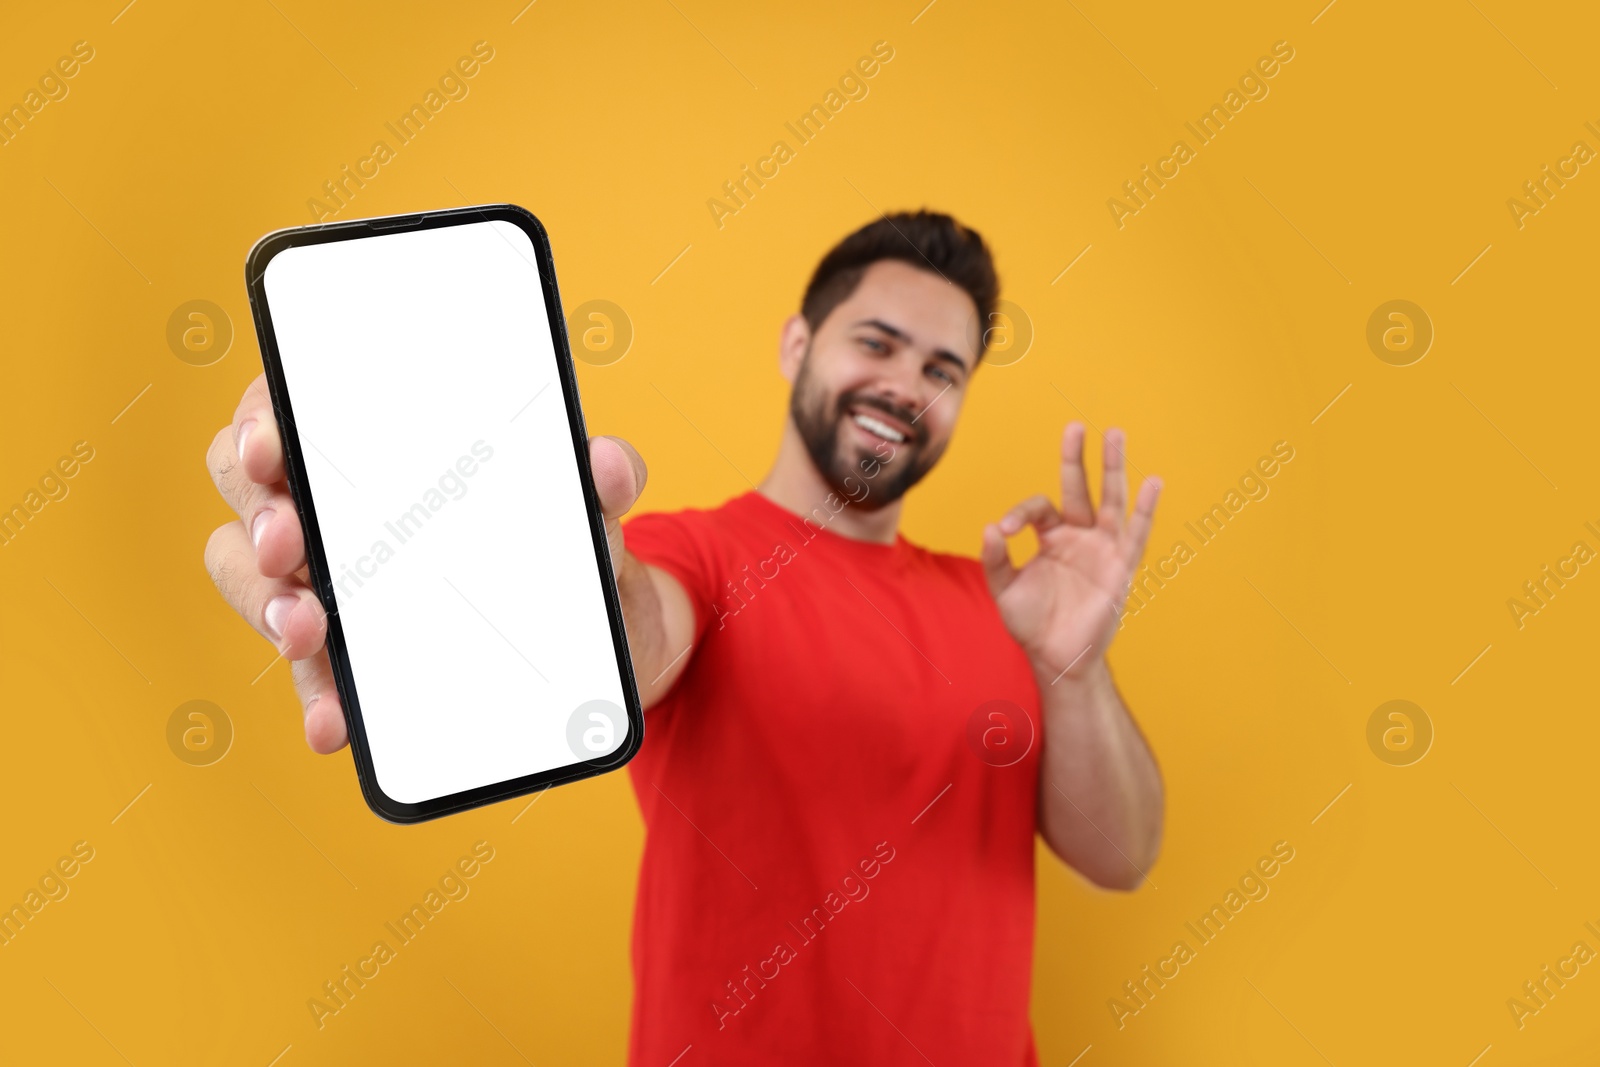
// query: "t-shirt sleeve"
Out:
[678,543]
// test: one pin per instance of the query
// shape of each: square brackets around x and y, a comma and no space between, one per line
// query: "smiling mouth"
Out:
[879,427]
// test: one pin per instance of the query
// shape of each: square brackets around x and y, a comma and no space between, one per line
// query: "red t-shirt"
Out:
[839,801]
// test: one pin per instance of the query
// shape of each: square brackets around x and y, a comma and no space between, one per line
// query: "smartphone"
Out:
[436,453]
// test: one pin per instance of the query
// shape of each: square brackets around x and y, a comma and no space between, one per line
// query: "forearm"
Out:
[656,663]
[1100,793]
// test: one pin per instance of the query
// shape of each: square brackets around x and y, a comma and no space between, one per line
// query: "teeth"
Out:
[880,428]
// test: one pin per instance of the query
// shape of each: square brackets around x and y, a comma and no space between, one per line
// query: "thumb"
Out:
[619,475]
[996,560]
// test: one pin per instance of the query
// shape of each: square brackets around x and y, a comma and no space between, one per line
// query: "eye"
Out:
[875,344]
[934,368]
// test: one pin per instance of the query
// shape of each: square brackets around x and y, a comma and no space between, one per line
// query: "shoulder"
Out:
[698,546]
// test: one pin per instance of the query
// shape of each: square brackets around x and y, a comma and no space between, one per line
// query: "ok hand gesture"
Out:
[1063,605]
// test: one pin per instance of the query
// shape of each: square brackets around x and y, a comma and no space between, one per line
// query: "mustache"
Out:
[904,415]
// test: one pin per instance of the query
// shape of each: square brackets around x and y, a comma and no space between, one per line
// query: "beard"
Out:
[819,420]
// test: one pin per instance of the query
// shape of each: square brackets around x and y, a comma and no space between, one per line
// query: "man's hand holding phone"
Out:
[258,562]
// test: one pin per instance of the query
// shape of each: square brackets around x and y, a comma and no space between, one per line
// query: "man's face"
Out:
[881,381]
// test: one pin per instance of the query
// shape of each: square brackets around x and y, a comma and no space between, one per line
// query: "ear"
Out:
[792,341]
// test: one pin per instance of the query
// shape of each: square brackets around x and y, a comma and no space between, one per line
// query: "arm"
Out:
[259,566]
[1100,800]
[1100,794]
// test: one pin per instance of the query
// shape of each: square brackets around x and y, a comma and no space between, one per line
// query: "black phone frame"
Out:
[261,254]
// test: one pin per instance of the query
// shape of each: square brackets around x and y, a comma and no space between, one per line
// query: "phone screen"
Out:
[436,446]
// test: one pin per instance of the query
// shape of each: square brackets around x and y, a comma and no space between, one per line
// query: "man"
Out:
[851,740]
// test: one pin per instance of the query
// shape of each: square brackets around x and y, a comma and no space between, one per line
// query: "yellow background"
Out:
[1225,316]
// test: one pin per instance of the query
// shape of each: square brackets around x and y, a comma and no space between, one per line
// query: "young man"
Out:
[851,740]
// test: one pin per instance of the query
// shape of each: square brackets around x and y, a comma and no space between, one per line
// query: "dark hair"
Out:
[924,239]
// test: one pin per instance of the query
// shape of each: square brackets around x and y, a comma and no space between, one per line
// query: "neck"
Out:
[794,483]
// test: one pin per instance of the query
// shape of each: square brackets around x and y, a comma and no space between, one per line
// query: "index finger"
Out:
[255,435]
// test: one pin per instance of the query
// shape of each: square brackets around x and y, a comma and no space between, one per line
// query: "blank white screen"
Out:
[424,385]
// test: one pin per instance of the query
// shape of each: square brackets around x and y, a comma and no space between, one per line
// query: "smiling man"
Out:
[851,740]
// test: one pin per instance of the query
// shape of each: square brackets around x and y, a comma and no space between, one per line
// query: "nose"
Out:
[900,387]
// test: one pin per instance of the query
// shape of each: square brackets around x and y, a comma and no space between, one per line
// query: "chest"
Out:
[862,671]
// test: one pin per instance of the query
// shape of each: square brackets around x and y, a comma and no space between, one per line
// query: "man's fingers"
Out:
[319,700]
[276,534]
[254,561]
[222,460]
[283,610]
[267,511]
[1037,509]
[1114,486]
[255,435]
[1076,507]
[1144,512]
